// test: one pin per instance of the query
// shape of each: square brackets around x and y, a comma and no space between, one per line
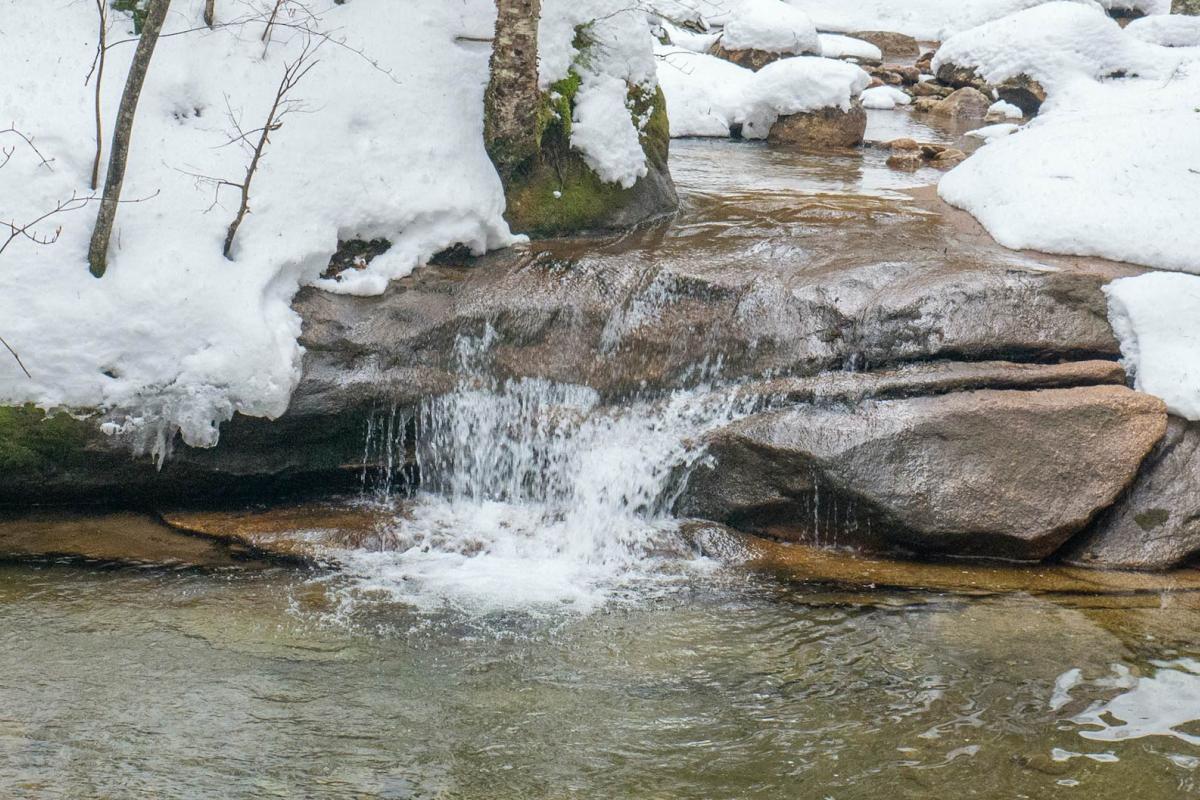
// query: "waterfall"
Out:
[536,492]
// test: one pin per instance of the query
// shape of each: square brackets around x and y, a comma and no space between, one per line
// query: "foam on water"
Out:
[533,494]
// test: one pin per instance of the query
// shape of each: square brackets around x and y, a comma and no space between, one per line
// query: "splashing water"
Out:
[533,493]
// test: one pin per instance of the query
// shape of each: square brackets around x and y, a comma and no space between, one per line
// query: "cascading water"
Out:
[534,492]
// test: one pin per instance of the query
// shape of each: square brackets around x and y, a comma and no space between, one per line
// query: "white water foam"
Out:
[535,495]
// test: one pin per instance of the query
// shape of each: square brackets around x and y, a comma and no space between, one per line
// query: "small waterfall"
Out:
[534,492]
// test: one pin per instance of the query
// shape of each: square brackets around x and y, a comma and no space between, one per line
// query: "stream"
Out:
[532,624]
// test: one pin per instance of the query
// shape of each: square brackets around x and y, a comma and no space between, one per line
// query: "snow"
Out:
[175,335]
[885,97]
[836,46]
[690,40]
[1006,110]
[1144,6]
[705,94]
[807,83]
[618,50]
[1169,31]
[930,20]
[604,132]
[1054,43]
[990,132]
[769,25]
[1157,320]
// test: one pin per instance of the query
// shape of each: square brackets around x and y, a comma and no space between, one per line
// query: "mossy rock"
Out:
[558,193]
[34,443]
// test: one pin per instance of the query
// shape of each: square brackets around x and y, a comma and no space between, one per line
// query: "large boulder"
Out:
[1157,524]
[828,127]
[752,58]
[963,103]
[999,473]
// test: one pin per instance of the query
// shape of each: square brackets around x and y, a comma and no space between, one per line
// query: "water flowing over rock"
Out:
[996,473]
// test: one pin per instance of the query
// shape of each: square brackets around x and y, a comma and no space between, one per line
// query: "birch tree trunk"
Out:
[122,133]
[511,105]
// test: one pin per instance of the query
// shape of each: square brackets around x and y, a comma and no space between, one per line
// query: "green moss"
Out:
[31,441]
[1154,518]
[557,192]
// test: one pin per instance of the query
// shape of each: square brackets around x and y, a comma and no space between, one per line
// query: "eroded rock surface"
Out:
[829,127]
[1157,525]
[990,473]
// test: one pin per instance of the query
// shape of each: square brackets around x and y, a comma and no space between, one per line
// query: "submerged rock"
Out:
[1157,524]
[1010,474]
[829,127]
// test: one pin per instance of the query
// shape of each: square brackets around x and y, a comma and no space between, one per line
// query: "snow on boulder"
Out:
[1113,171]
[1004,110]
[1157,319]
[824,89]
[885,97]
[930,20]
[771,26]
[1175,30]
[836,46]
[1052,44]
[705,94]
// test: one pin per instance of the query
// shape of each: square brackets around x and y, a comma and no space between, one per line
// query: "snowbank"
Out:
[1175,30]
[836,46]
[923,19]
[884,98]
[1157,319]
[807,83]
[769,25]
[1116,178]
[175,334]
[617,49]
[1140,6]
[1053,43]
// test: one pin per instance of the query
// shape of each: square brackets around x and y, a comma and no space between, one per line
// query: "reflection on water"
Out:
[1162,704]
[130,683]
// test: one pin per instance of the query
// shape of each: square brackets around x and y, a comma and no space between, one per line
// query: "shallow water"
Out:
[535,628]
[116,683]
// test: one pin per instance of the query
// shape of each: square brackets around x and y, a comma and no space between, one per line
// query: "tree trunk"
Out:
[210,12]
[122,133]
[513,98]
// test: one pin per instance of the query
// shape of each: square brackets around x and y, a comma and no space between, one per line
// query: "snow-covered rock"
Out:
[705,94]
[807,83]
[1004,110]
[1157,320]
[837,46]
[1053,44]
[771,26]
[989,132]
[1175,30]
[924,19]
[885,97]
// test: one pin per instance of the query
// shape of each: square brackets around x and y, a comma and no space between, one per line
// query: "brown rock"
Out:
[829,127]
[1010,474]
[908,75]
[959,76]
[903,144]
[965,102]
[750,59]
[932,149]
[894,45]
[1023,92]
[949,158]
[930,89]
[906,160]
[925,105]
[1157,524]
[925,62]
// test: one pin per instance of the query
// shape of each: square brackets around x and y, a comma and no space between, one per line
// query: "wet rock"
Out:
[903,143]
[930,89]
[934,474]
[925,105]
[1023,92]
[829,127]
[949,158]
[966,102]
[894,45]
[925,62]
[907,160]
[1157,524]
